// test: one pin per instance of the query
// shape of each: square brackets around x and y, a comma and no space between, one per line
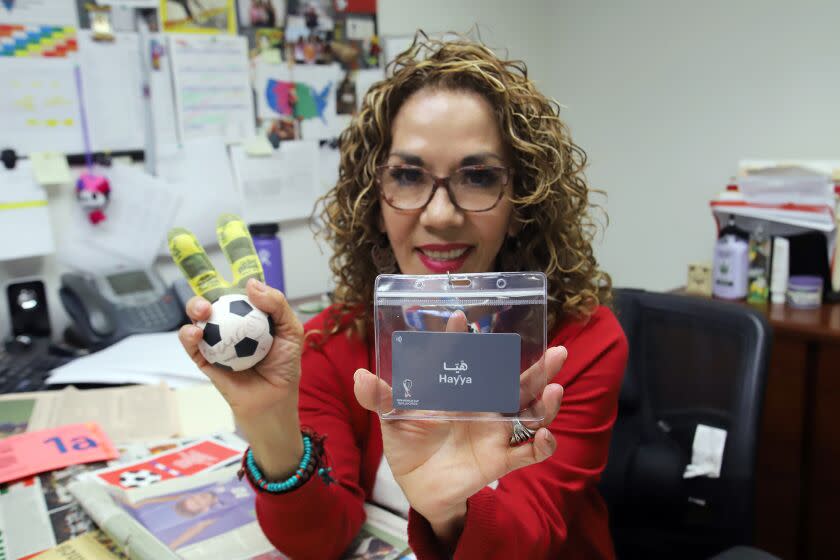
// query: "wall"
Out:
[666,96]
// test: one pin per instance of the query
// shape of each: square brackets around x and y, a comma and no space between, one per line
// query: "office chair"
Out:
[692,361]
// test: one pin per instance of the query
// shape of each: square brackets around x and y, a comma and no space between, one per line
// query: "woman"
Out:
[449,113]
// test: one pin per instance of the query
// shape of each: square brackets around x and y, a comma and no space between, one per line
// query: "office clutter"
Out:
[194,112]
[157,479]
[778,231]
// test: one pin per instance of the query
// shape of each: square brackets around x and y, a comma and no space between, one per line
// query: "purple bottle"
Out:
[270,253]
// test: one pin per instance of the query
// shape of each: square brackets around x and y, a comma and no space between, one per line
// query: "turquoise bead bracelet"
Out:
[312,456]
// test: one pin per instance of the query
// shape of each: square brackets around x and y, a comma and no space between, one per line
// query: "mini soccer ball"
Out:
[237,335]
[139,478]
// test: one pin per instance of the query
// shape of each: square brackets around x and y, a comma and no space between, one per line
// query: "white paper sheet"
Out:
[140,213]
[320,120]
[200,173]
[706,452]
[282,186]
[360,28]
[41,12]
[365,79]
[202,410]
[112,91]
[162,93]
[212,86]
[329,159]
[39,106]
[25,229]
[24,521]
[141,358]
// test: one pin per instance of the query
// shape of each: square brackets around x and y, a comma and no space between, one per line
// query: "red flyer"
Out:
[48,450]
[183,461]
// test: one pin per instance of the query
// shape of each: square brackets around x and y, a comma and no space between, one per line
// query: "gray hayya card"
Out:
[459,372]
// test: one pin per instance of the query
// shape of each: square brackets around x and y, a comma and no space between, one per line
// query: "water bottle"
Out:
[269,252]
[731,263]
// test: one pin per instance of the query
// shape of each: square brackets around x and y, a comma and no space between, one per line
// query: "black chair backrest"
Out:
[692,361]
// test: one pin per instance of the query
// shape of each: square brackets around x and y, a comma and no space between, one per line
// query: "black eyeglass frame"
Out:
[442,181]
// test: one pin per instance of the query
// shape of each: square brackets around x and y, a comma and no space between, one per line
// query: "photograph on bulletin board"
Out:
[317,33]
[261,13]
[198,16]
[268,45]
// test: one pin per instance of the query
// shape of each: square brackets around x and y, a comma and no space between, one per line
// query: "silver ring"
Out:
[521,433]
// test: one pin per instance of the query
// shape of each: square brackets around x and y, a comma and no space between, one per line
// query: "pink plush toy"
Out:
[93,193]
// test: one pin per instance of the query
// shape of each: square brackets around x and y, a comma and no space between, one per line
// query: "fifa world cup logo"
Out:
[407,386]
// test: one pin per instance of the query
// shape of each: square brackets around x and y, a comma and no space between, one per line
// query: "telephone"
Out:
[107,307]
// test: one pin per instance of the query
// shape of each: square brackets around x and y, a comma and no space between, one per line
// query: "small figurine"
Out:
[699,279]
[93,192]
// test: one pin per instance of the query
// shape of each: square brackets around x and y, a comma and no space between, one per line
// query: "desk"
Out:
[798,463]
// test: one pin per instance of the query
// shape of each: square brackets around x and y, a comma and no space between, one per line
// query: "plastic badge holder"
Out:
[438,367]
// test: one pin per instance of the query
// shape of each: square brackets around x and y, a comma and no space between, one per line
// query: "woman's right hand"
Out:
[273,382]
[264,399]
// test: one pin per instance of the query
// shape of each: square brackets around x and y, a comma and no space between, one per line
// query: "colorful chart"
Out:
[37,41]
[297,99]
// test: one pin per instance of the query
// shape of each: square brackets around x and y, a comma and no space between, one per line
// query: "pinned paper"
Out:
[48,450]
[50,168]
[706,452]
[25,229]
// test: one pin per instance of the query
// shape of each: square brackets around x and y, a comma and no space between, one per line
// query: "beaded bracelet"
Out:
[313,456]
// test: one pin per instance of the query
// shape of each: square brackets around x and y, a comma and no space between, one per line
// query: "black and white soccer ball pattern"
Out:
[139,478]
[237,335]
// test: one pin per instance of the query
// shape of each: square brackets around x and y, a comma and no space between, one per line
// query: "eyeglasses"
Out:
[476,188]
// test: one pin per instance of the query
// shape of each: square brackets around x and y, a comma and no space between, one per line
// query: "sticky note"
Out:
[47,450]
[258,146]
[50,168]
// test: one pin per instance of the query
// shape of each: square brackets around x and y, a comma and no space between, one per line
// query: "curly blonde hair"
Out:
[550,193]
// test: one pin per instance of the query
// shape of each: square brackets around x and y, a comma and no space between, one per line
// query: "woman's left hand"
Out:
[439,464]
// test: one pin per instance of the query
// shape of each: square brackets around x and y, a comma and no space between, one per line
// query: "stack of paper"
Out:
[142,358]
[795,195]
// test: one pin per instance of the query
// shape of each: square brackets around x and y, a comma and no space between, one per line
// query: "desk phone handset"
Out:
[106,308]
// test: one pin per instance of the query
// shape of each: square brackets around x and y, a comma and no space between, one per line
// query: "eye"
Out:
[406,176]
[481,177]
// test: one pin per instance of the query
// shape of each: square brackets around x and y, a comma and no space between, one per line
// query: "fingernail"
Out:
[259,286]
[202,306]
[552,444]
[356,377]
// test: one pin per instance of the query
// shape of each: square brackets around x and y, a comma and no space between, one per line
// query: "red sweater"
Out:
[548,510]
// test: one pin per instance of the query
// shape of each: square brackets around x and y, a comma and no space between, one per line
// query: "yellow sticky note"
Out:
[50,168]
[258,146]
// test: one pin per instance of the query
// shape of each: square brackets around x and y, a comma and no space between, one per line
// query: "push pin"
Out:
[9,158]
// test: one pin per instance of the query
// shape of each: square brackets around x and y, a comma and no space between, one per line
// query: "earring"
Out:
[383,257]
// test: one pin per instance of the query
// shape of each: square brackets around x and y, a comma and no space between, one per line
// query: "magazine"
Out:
[53,515]
[211,514]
